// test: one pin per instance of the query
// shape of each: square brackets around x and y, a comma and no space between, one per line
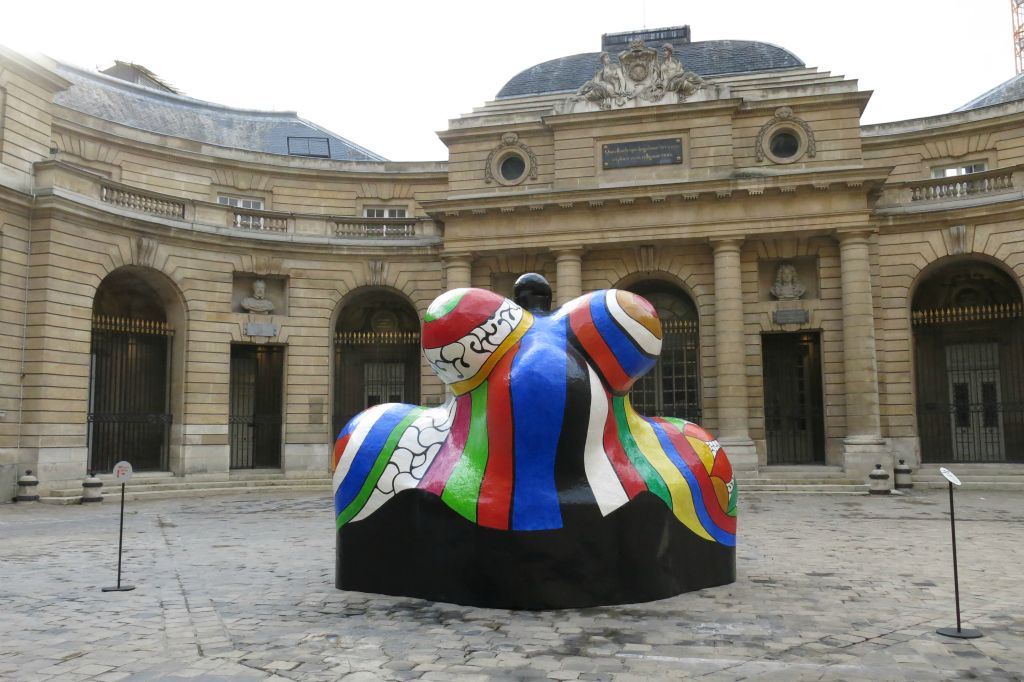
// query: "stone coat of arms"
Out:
[639,75]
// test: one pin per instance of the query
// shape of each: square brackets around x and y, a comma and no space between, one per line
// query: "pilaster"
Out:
[569,275]
[863,446]
[733,413]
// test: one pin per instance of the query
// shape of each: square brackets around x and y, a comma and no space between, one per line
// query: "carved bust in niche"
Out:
[258,302]
[788,286]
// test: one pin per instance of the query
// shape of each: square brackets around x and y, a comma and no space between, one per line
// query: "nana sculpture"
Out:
[536,485]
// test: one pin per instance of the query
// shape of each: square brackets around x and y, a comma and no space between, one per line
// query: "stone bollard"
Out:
[28,490]
[91,488]
[878,481]
[902,473]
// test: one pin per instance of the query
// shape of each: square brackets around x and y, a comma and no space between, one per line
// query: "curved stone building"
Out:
[211,292]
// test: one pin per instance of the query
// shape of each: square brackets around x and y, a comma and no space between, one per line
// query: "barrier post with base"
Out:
[122,473]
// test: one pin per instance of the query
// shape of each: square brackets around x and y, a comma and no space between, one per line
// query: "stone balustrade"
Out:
[375,228]
[145,202]
[961,186]
[60,178]
[938,194]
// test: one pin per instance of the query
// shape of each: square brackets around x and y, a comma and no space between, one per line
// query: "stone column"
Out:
[569,273]
[863,446]
[458,271]
[733,418]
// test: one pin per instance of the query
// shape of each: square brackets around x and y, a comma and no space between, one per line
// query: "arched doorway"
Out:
[130,374]
[376,354]
[969,364]
[672,388]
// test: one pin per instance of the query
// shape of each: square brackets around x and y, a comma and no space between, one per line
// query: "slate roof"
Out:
[1008,91]
[707,58]
[179,116]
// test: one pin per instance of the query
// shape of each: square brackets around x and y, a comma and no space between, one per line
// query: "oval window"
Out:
[784,144]
[513,167]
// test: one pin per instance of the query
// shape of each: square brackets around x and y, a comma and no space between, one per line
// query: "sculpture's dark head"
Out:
[533,292]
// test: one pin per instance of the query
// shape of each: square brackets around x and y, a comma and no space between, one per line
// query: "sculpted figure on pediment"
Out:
[608,84]
[638,76]
[675,78]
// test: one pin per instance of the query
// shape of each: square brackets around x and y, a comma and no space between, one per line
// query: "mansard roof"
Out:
[707,58]
[171,114]
[1007,91]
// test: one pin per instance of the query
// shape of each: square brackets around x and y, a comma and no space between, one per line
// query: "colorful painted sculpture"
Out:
[536,485]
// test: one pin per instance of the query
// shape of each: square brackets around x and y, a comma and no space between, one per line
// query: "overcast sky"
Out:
[388,74]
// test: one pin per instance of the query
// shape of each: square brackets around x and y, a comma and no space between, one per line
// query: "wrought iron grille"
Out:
[793,404]
[254,422]
[672,388]
[969,376]
[374,367]
[128,393]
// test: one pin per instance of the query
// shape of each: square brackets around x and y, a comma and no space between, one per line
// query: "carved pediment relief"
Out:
[638,78]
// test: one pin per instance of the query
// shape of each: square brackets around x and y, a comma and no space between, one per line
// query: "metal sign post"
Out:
[958,632]
[122,473]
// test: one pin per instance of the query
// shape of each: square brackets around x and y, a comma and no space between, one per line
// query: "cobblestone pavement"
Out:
[240,588]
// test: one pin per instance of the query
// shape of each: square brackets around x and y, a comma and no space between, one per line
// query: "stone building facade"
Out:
[204,290]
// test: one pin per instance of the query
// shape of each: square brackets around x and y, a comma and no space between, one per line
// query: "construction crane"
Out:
[1017,8]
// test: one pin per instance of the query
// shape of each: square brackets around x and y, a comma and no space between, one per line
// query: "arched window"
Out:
[376,354]
[672,388]
[969,364]
[129,378]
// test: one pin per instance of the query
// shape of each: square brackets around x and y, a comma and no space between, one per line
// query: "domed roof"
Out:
[1007,91]
[167,113]
[707,58]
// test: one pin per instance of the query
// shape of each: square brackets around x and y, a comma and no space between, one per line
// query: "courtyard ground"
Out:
[241,587]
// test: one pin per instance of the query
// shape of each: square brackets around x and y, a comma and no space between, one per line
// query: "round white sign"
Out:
[949,475]
[122,472]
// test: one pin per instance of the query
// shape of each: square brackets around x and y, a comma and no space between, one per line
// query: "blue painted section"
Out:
[366,456]
[538,407]
[349,427]
[727,539]
[633,361]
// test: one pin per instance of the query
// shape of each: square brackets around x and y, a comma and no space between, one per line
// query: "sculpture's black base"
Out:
[416,546]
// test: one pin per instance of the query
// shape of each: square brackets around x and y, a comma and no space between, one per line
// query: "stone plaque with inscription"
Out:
[790,316]
[260,329]
[643,153]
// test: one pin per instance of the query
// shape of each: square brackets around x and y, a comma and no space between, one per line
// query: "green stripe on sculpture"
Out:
[463,488]
[444,304]
[651,477]
[378,468]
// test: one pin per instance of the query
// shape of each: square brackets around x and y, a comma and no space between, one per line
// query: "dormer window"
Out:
[959,169]
[318,147]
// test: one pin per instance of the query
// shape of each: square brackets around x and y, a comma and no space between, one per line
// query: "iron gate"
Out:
[128,415]
[257,380]
[372,367]
[793,412]
[969,376]
[672,387]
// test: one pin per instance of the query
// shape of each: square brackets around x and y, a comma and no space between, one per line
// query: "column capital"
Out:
[726,243]
[456,258]
[855,234]
[567,252]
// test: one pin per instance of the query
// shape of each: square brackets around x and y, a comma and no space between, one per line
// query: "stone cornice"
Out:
[590,119]
[859,180]
[32,70]
[901,133]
